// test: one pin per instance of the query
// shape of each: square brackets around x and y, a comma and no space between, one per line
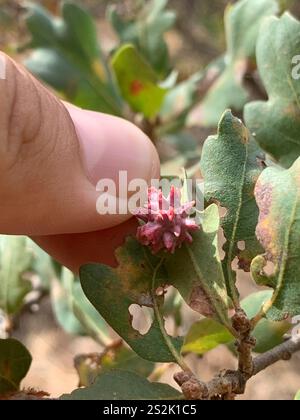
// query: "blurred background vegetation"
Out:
[196,39]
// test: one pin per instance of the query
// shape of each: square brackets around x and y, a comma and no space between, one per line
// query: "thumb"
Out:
[52,155]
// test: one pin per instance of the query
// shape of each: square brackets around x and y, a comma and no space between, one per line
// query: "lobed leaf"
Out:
[231,165]
[242,23]
[276,123]
[113,290]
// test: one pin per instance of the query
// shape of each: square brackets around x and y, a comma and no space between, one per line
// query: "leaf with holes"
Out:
[16,258]
[15,361]
[242,22]
[231,165]
[278,197]
[122,385]
[276,123]
[196,271]
[138,83]
[134,281]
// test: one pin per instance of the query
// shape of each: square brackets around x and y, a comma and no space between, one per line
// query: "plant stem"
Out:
[177,356]
[282,352]
[254,321]
[229,384]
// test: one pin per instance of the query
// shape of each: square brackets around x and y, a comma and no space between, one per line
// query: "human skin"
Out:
[52,155]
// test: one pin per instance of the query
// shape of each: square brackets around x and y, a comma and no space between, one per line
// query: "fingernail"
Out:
[110,144]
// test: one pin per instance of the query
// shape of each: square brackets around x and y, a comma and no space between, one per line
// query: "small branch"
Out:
[227,385]
[245,343]
[284,351]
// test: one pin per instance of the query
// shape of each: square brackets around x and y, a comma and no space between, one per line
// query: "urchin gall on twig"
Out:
[166,221]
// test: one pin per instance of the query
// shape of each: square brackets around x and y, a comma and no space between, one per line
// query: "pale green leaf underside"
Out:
[204,336]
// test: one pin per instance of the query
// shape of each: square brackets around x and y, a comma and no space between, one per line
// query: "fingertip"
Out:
[75,250]
[111,144]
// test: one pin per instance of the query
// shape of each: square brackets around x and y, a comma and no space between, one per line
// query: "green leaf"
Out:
[90,366]
[196,271]
[134,281]
[204,336]
[230,165]
[82,31]
[242,23]
[137,81]
[278,198]
[146,32]
[66,55]
[207,334]
[268,334]
[276,123]
[16,259]
[297,397]
[93,324]
[122,385]
[42,265]
[61,298]
[15,361]
[74,312]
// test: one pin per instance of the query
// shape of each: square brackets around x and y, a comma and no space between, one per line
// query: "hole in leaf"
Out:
[223,211]
[160,291]
[241,245]
[269,269]
[142,318]
[177,314]
[261,162]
